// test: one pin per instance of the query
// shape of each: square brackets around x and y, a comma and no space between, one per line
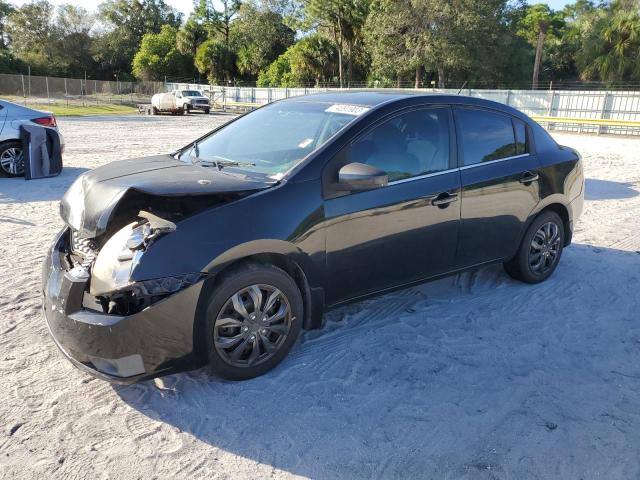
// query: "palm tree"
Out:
[611,49]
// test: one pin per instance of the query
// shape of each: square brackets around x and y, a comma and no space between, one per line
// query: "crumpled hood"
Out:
[90,202]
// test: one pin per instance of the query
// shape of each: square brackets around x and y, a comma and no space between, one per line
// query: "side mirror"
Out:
[359,176]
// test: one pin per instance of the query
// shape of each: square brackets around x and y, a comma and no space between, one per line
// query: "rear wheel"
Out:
[540,250]
[11,160]
[206,111]
[254,318]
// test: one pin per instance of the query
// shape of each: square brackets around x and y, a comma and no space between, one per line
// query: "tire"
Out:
[206,111]
[245,343]
[154,111]
[540,250]
[11,160]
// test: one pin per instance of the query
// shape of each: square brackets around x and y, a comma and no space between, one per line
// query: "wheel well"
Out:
[11,140]
[293,269]
[563,213]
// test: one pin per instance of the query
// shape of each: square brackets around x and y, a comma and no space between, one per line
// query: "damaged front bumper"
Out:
[123,349]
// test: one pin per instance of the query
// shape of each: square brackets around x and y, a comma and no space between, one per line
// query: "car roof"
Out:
[376,98]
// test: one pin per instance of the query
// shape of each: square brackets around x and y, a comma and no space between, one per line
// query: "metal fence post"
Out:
[550,110]
[24,93]
[605,111]
[46,81]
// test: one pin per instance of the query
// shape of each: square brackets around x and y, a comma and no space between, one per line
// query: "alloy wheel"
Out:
[545,248]
[12,161]
[252,325]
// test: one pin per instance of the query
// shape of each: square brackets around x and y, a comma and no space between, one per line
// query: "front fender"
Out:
[264,223]
[255,247]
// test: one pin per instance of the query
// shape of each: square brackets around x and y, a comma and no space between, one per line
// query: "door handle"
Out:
[444,199]
[529,177]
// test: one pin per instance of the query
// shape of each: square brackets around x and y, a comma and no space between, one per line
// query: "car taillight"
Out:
[46,121]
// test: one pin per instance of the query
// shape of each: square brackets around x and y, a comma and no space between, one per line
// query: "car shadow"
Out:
[608,190]
[17,190]
[466,377]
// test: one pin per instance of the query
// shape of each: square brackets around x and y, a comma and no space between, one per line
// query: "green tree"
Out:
[538,23]
[73,41]
[30,30]
[127,21]
[312,60]
[446,37]
[215,60]
[222,19]
[159,57]
[6,9]
[610,48]
[190,36]
[259,37]
[343,21]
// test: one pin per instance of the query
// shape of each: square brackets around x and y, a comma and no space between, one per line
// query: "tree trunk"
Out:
[337,35]
[418,77]
[349,65]
[441,77]
[536,65]
[399,81]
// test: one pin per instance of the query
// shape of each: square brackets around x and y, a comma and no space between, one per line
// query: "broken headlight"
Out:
[137,296]
[122,252]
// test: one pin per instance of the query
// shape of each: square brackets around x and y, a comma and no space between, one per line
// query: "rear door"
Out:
[499,175]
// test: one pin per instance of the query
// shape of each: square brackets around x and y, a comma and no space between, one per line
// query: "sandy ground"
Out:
[474,376]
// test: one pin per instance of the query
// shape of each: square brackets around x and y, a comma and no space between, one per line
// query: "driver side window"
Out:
[408,145]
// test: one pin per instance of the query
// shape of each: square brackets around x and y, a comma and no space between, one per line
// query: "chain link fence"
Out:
[41,91]
[588,111]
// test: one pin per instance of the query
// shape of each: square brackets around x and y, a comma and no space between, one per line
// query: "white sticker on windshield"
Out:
[305,143]
[347,109]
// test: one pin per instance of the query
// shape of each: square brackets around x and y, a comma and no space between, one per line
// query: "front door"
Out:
[403,232]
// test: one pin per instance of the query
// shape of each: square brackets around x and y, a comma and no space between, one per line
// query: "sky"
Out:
[186,6]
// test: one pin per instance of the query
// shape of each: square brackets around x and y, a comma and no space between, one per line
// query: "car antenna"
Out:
[462,87]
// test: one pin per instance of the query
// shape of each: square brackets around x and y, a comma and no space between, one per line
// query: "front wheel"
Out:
[540,250]
[11,160]
[254,318]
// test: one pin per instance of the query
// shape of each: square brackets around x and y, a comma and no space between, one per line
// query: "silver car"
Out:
[11,117]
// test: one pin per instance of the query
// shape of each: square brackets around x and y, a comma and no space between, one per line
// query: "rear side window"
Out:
[520,130]
[485,135]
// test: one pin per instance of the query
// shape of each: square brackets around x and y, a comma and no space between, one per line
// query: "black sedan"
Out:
[222,252]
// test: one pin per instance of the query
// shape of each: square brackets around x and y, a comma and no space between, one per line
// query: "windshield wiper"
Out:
[222,163]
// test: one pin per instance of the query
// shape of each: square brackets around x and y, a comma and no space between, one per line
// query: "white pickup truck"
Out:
[177,102]
[190,100]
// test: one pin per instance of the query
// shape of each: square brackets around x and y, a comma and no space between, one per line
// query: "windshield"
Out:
[191,93]
[272,139]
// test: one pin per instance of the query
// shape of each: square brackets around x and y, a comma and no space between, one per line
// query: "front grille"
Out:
[83,248]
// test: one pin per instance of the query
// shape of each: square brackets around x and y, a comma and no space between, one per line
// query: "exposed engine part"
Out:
[84,249]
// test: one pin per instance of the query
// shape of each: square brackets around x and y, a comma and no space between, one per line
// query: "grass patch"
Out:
[66,111]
